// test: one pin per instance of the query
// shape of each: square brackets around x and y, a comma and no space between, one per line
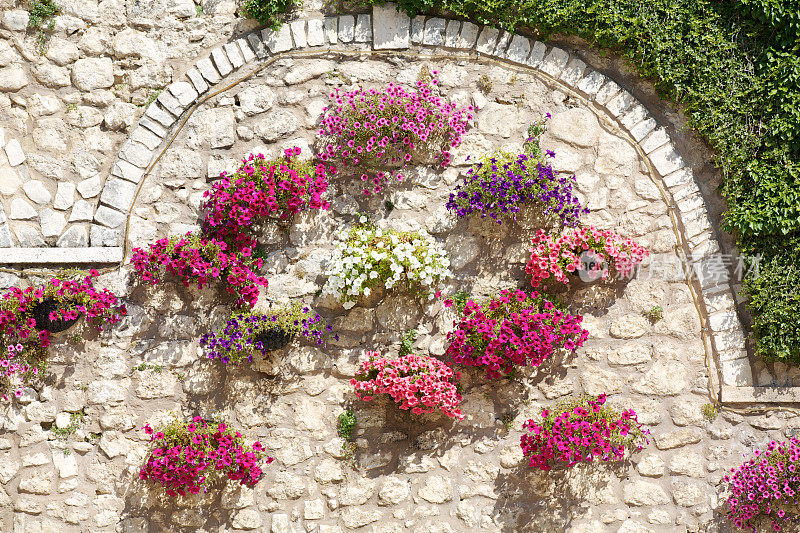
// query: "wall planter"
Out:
[274,339]
[41,314]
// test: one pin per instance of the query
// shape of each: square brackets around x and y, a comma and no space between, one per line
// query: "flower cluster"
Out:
[582,430]
[19,365]
[263,188]
[764,490]
[421,384]
[186,456]
[500,184]
[371,257]
[381,131]
[582,249]
[199,259]
[71,298]
[514,328]
[242,334]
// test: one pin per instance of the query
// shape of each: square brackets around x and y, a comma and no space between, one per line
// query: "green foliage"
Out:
[460,300]
[75,420]
[144,366]
[407,341]
[735,67]
[42,19]
[655,313]
[268,12]
[775,303]
[710,412]
[346,425]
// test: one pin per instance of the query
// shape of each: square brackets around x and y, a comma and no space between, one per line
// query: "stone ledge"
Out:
[760,394]
[18,256]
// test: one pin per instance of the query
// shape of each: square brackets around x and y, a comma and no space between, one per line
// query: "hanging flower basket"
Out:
[274,339]
[41,314]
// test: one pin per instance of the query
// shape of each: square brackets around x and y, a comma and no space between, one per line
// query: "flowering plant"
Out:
[513,328]
[582,429]
[195,258]
[264,188]
[381,131]
[70,298]
[242,334]
[19,365]
[499,184]
[585,249]
[763,490]
[186,456]
[371,257]
[422,384]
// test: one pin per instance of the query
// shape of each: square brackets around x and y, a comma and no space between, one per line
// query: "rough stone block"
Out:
[640,130]
[316,32]
[299,36]
[620,103]
[347,28]
[519,50]
[573,71]
[391,28]
[666,159]
[331,31]
[555,62]
[591,83]
[737,372]
[468,36]
[363,29]
[221,61]
[417,29]
[118,193]
[245,49]
[434,32]
[278,40]
[258,46]
[234,54]
[537,54]
[208,70]
[487,40]
[451,33]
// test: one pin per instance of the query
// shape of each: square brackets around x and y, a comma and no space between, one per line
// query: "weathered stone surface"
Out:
[576,126]
[93,73]
[276,124]
[677,438]
[640,493]
[13,78]
[255,100]
[391,28]
[437,489]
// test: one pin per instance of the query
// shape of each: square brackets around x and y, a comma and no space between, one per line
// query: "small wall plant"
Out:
[512,329]
[201,260]
[375,133]
[581,430]
[187,457]
[241,336]
[370,257]
[417,383]
[583,249]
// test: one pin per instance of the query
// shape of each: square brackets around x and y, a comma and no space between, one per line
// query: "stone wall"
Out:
[407,473]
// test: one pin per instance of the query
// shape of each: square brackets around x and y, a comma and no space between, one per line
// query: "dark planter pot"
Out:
[274,339]
[41,314]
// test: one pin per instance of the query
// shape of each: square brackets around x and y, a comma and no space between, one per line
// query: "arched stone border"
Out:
[388,29]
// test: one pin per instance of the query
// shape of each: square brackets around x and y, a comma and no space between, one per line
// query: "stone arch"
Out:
[387,30]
